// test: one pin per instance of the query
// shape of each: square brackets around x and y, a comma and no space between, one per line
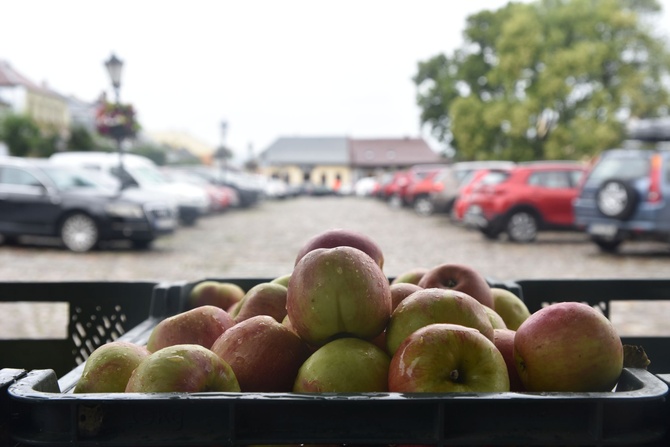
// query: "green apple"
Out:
[337,292]
[447,358]
[264,354]
[429,306]
[283,280]
[201,326]
[222,294]
[459,277]
[568,346]
[345,365]
[496,320]
[266,298]
[182,368]
[411,276]
[510,307]
[108,368]
[343,237]
[504,341]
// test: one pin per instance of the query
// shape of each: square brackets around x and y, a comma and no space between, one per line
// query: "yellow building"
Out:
[46,107]
[177,139]
[308,161]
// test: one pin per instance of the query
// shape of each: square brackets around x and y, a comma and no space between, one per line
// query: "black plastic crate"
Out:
[98,312]
[635,414]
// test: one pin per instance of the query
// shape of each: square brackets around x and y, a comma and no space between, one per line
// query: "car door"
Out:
[26,206]
[553,192]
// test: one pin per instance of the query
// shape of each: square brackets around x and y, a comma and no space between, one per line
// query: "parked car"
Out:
[38,198]
[365,187]
[249,189]
[140,172]
[392,184]
[462,202]
[397,191]
[526,199]
[220,197]
[275,188]
[422,184]
[447,184]
[625,197]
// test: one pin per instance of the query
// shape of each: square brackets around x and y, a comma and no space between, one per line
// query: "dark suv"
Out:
[624,197]
[526,199]
[38,198]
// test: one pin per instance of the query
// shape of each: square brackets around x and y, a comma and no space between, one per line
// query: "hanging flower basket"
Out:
[116,121]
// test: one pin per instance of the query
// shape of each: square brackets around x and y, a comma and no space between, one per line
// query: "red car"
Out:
[464,198]
[403,194]
[418,193]
[526,199]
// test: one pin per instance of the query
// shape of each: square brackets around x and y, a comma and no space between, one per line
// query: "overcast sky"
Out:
[269,68]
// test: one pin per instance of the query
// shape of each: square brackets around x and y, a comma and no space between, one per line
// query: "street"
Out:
[262,242]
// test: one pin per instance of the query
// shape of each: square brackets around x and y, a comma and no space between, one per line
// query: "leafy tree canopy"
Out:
[552,79]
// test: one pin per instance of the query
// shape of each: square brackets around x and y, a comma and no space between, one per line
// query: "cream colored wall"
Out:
[50,112]
[295,174]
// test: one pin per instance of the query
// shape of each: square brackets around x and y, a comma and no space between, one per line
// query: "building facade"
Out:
[329,161]
[46,107]
[319,161]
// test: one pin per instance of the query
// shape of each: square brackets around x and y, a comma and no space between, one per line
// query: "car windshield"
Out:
[495,177]
[148,176]
[623,168]
[65,179]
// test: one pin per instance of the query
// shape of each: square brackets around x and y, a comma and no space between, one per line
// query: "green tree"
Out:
[21,135]
[81,139]
[552,79]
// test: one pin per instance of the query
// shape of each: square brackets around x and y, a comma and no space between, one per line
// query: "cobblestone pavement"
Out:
[262,242]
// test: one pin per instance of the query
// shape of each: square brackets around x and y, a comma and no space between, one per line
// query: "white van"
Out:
[141,172]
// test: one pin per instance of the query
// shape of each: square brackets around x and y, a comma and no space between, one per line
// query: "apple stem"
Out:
[454,375]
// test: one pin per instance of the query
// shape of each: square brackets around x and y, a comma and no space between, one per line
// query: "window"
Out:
[550,179]
[16,176]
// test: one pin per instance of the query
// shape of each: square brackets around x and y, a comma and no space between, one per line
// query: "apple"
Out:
[266,298]
[510,307]
[283,280]
[428,306]
[201,326]
[411,276]
[459,277]
[504,341]
[336,292]
[343,237]
[215,293]
[109,366]
[400,291]
[447,358]
[345,365]
[264,354]
[570,347]
[496,320]
[184,368]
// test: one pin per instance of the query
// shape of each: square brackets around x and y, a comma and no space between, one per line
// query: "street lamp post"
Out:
[114,67]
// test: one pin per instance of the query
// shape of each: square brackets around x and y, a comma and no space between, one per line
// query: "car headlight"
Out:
[126,210]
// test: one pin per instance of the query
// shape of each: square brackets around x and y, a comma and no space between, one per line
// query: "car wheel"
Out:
[395,201]
[607,245]
[616,199]
[522,227]
[423,206]
[79,232]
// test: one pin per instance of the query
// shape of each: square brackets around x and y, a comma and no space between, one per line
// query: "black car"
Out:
[42,199]
[249,189]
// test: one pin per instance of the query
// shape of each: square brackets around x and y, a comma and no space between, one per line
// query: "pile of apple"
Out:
[336,324]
